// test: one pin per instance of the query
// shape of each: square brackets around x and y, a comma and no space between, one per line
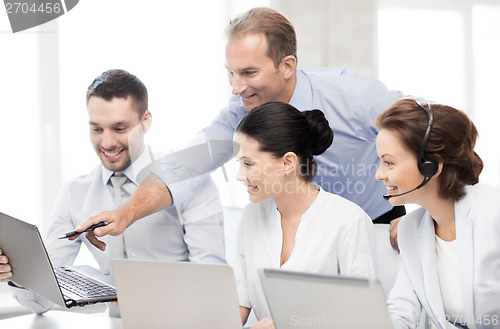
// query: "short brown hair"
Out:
[452,140]
[121,84]
[279,31]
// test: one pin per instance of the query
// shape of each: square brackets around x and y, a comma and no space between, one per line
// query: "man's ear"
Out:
[290,161]
[288,65]
[147,120]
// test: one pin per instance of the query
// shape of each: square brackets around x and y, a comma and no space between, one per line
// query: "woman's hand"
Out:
[265,323]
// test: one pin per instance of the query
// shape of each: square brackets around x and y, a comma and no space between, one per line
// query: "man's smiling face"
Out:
[252,73]
[116,131]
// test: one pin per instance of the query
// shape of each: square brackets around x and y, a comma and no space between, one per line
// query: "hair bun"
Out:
[321,133]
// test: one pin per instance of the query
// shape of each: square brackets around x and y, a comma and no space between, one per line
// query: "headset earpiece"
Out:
[428,165]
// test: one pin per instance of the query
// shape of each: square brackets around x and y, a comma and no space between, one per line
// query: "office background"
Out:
[443,50]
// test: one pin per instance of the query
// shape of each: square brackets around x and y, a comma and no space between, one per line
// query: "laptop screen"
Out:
[316,301]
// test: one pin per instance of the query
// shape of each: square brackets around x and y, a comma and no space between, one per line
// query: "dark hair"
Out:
[452,140]
[121,84]
[280,128]
[279,31]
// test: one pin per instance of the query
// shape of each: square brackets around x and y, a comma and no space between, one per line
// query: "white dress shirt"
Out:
[335,236]
[192,231]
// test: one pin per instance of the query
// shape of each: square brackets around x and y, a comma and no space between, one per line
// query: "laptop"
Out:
[31,267]
[302,300]
[168,295]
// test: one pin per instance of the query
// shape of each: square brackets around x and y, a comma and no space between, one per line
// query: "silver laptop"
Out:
[301,300]
[31,268]
[168,295]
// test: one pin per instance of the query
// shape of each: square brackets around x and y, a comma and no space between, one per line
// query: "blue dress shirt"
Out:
[350,101]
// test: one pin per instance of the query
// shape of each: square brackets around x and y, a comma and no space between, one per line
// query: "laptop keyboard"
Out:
[81,285]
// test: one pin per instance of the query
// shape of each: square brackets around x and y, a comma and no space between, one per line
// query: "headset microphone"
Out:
[426,179]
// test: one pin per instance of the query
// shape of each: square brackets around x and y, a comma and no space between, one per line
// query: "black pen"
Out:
[73,233]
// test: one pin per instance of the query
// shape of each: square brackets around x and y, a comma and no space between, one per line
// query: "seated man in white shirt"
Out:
[117,104]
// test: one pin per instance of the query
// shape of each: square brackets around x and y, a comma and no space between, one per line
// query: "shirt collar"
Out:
[133,170]
[302,97]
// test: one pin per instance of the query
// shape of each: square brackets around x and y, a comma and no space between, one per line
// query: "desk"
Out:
[62,319]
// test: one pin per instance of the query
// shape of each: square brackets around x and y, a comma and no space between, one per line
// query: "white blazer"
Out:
[477,220]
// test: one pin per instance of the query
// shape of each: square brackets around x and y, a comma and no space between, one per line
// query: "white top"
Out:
[192,231]
[335,236]
[449,279]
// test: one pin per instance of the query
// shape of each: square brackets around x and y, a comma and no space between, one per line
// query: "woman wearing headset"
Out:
[450,248]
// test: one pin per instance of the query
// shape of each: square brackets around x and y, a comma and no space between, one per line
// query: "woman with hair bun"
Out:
[292,224]
[450,248]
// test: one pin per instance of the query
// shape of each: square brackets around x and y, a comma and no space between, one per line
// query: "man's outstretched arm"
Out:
[151,196]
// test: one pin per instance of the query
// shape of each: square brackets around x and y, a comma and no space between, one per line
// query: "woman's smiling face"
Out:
[260,171]
[398,167]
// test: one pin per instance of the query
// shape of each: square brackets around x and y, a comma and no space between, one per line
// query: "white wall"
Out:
[29,134]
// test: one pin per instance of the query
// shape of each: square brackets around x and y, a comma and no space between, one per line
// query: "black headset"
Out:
[428,164]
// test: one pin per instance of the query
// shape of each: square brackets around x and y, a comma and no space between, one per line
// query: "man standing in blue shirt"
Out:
[261,59]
